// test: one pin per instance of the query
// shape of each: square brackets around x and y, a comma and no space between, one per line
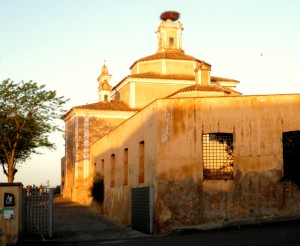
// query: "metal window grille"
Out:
[218,156]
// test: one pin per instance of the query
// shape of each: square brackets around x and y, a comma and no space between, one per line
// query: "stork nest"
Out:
[170,15]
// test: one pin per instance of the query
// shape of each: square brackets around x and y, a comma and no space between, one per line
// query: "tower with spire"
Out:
[104,88]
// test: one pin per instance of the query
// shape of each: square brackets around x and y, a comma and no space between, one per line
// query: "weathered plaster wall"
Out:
[180,67]
[69,158]
[257,122]
[141,127]
[123,94]
[150,66]
[148,92]
[172,131]
[77,187]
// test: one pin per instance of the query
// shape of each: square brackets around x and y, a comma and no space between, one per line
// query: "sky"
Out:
[64,43]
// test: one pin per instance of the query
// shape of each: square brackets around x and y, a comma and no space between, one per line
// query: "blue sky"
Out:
[63,43]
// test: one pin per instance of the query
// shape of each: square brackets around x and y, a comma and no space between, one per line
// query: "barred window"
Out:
[218,156]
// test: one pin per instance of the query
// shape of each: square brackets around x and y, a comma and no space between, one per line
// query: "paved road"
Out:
[73,222]
[77,225]
[275,235]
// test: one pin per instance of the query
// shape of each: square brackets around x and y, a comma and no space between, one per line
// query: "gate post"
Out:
[11,195]
[50,214]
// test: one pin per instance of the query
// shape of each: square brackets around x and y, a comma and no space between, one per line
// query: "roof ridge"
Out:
[168,54]
[205,88]
[114,105]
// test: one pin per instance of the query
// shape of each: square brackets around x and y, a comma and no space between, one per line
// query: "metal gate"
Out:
[38,212]
[142,209]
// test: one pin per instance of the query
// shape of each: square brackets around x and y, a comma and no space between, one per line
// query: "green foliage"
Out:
[27,117]
[97,188]
[56,190]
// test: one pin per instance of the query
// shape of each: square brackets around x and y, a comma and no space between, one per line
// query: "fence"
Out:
[38,212]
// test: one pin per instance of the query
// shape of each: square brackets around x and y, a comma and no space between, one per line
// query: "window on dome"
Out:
[171,41]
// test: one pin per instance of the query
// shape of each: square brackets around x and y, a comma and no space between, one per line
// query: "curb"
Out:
[235,224]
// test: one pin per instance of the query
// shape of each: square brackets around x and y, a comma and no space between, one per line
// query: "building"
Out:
[184,144]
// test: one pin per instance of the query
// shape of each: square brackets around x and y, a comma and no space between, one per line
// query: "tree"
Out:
[28,114]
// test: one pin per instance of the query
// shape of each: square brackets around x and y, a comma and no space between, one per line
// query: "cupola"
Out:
[202,73]
[169,32]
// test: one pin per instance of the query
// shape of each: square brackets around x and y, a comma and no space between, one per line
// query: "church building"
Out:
[177,146]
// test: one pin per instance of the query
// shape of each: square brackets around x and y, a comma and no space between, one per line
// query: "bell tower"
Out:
[169,32]
[104,88]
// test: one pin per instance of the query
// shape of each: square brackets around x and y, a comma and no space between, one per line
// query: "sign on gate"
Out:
[9,200]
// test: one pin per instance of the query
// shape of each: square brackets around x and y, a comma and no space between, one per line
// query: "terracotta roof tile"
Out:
[113,105]
[205,88]
[169,55]
[219,79]
[151,75]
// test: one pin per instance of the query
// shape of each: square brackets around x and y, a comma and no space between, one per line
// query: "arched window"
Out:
[141,161]
[112,170]
[126,166]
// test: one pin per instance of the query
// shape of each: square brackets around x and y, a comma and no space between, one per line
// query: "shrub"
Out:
[56,190]
[97,188]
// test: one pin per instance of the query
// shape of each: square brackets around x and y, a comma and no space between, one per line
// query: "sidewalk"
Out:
[75,222]
[235,224]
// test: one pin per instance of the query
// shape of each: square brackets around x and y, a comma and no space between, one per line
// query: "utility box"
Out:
[10,212]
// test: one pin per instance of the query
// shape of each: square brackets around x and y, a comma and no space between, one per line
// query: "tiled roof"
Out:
[170,55]
[219,79]
[113,105]
[151,75]
[205,88]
